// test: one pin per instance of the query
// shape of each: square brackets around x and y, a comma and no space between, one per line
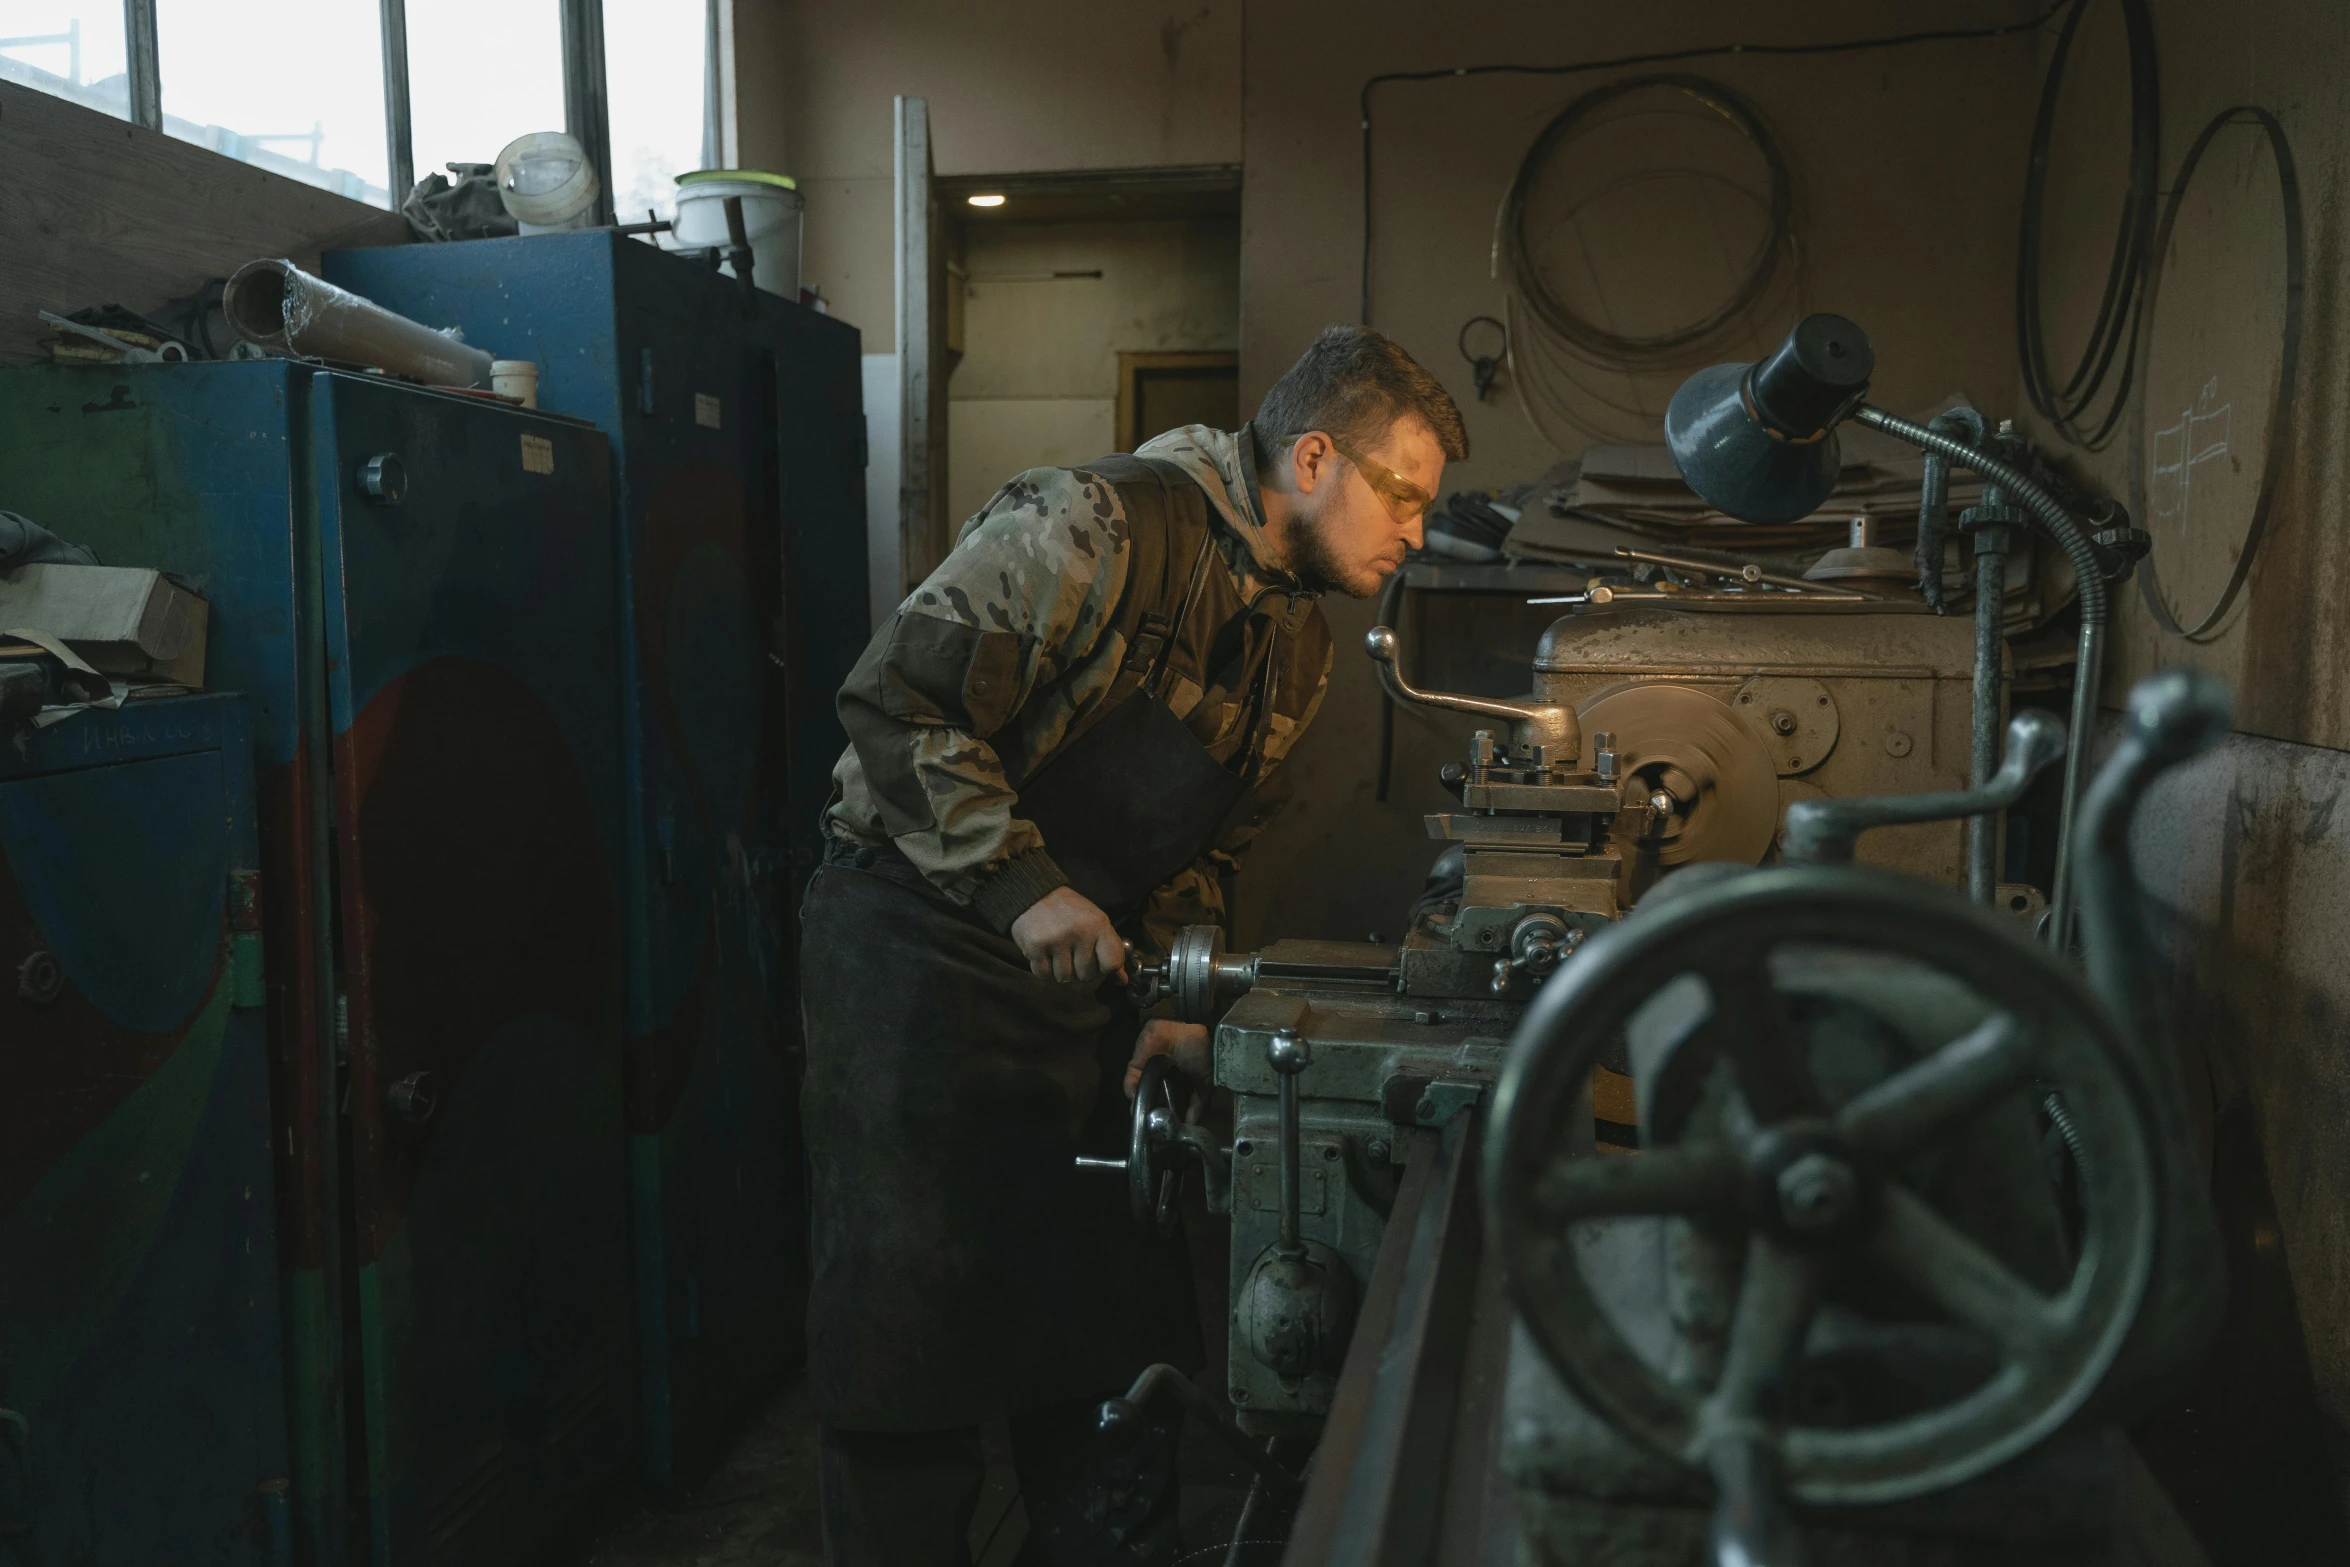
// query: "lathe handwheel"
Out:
[1154,1170]
[1812,1192]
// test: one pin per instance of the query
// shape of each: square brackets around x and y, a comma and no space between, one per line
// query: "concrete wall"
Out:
[1896,233]
[1041,85]
[2248,847]
[1914,243]
[1038,381]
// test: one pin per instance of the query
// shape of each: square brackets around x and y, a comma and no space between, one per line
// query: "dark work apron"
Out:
[963,1267]
[1134,797]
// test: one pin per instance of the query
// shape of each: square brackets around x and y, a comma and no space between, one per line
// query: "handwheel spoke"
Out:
[1750,1025]
[1955,1081]
[1682,1178]
[1776,1299]
[1921,1248]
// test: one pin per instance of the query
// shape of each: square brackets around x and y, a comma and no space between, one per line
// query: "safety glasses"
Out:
[1405,501]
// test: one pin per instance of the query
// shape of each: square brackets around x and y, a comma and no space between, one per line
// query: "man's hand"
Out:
[1184,1043]
[1065,937]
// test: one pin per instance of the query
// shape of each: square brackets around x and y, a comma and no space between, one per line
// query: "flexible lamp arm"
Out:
[2088,570]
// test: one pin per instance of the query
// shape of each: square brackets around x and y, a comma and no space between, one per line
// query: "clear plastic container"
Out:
[547,183]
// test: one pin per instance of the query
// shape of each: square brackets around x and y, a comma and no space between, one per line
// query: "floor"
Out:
[759,1509]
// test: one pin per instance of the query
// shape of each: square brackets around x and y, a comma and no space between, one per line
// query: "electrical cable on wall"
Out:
[2280,411]
[1661,57]
[1562,318]
[1550,341]
[2112,348]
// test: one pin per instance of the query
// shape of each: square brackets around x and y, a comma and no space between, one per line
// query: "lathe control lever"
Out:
[1550,725]
[1823,832]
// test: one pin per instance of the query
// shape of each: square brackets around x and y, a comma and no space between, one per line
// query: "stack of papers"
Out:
[1636,488]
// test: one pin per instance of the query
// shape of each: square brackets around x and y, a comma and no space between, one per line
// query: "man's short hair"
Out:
[1355,384]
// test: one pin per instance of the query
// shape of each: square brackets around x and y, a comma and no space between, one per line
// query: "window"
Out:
[298,87]
[294,90]
[72,48]
[654,53]
[480,73]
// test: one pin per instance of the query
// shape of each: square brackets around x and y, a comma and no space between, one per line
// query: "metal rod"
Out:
[399,130]
[1292,1175]
[1745,572]
[713,88]
[2096,605]
[587,99]
[1982,844]
[145,77]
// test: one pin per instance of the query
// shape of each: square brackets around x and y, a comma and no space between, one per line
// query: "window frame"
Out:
[586,92]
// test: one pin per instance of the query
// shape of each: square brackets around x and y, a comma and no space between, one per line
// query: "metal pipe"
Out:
[142,75]
[1745,571]
[2096,606]
[1982,832]
[1960,423]
[278,305]
[399,129]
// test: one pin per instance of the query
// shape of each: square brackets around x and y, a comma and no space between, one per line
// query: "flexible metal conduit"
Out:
[2096,607]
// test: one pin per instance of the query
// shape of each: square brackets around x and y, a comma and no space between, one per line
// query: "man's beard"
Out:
[1314,563]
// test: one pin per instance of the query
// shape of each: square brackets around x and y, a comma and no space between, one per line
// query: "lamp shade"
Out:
[1758,441]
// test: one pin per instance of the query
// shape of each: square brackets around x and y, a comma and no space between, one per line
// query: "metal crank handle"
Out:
[1146,983]
[1823,832]
[1549,724]
[1288,1054]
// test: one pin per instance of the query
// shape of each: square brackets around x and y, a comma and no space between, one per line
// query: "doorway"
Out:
[1166,391]
[1084,314]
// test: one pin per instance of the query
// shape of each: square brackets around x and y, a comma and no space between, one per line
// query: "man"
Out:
[1066,735]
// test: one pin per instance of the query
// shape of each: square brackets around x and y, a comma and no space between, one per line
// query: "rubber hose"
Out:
[2096,607]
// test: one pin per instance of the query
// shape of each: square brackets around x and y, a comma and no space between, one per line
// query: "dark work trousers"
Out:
[908,1499]
[964,1270]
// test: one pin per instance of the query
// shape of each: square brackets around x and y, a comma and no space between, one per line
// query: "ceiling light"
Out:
[985,201]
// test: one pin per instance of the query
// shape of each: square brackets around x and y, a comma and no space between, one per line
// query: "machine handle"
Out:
[1549,724]
[1288,1054]
[1823,832]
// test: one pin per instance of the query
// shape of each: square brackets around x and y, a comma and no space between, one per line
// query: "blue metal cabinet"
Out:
[738,431]
[438,738]
[142,1409]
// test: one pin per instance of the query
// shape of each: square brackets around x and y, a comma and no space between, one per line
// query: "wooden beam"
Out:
[102,212]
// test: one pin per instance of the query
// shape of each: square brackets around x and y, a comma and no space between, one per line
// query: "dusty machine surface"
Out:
[1654,735]
[1915,1222]
[1908,1224]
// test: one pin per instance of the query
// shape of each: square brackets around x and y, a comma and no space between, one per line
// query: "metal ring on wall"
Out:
[2280,414]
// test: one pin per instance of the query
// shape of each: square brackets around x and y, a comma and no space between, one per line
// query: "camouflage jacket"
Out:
[1032,589]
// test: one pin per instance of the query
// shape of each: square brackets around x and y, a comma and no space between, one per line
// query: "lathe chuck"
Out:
[1717,787]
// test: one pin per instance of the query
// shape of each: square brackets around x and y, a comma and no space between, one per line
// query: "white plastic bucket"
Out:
[515,378]
[771,222]
[547,184]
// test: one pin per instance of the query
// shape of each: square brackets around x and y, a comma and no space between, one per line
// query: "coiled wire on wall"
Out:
[1550,341]
[1561,318]
[2280,408]
[2111,353]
